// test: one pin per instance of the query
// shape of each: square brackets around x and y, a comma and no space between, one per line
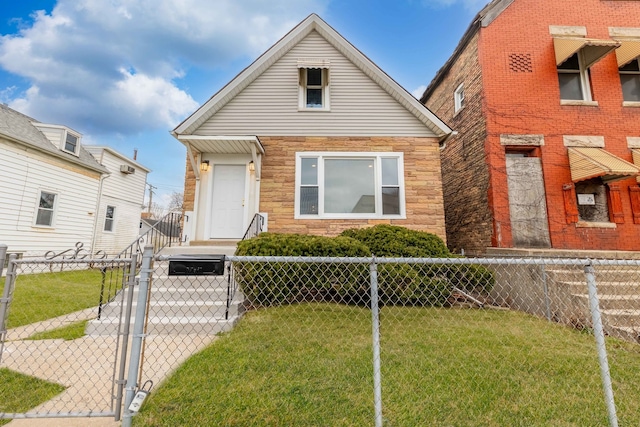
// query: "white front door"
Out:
[227,219]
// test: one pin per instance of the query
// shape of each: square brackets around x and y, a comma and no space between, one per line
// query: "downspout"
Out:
[97,211]
[443,140]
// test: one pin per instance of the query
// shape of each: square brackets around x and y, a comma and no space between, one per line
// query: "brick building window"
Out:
[573,77]
[630,80]
[592,200]
[349,185]
[458,98]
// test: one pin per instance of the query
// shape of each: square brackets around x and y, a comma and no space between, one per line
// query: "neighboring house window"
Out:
[458,97]
[314,88]
[349,185]
[630,80]
[592,200]
[71,143]
[46,208]
[108,218]
[573,77]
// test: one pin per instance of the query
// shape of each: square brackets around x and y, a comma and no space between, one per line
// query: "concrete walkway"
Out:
[86,366]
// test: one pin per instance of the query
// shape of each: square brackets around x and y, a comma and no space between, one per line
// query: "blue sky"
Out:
[124,73]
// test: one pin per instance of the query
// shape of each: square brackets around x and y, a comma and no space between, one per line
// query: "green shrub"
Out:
[393,241]
[266,284]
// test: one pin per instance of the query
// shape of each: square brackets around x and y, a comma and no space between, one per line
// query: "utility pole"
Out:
[151,188]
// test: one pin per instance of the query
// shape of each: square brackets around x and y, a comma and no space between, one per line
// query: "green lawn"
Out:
[44,296]
[310,365]
[33,392]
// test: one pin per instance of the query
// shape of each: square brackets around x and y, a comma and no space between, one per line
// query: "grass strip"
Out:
[19,392]
[69,332]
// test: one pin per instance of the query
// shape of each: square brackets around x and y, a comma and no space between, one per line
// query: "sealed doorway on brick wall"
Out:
[527,201]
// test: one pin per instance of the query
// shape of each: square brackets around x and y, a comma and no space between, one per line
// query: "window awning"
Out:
[314,63]
[593,49]
[590,162]
[628,51]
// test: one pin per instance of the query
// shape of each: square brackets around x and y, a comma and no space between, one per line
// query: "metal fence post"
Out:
[3,256]
[131,281]
[375,321]
[545,285]
[138,334]
[598,331]
[6,297]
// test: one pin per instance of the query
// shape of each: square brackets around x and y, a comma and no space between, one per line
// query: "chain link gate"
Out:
[57,361]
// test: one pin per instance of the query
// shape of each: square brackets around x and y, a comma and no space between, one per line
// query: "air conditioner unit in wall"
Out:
[127,169]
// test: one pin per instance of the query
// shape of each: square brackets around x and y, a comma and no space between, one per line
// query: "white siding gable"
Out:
[269,105]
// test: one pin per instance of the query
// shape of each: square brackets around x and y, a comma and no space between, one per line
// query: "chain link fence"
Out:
[343,341]
[50,366]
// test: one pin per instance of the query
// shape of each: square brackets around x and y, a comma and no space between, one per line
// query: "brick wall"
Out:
[521,101]
[465,173]
[423,186]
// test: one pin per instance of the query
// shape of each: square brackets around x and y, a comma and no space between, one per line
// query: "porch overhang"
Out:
[591,162]
[593,49]
[222,144]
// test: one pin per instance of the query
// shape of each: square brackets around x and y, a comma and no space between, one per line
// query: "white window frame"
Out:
[329,155]
[52,210]
[326,105]
[458,98]
[112,219]
[585,85]
[63,142]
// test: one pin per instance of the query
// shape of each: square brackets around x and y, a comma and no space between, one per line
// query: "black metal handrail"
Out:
[163,233]
[255,228]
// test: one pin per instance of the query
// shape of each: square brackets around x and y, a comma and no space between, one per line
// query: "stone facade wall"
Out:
[465,175]
[423,185]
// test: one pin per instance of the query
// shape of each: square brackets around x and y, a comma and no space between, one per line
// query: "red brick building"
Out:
[545,97]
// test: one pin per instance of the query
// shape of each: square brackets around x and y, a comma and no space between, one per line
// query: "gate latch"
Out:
[140,396]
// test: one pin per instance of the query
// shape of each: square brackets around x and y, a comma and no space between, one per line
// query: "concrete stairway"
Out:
[179,305]
[618,292]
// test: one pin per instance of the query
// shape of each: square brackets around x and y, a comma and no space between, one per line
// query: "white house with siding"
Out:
[51,187]
[316,138]
[121,198]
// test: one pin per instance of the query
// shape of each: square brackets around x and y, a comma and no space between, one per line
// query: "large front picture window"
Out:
[349,185]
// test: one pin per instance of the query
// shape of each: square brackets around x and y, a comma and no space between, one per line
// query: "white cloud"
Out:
[118,63]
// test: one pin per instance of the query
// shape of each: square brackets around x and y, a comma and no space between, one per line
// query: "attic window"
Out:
[314,84]
[71,143]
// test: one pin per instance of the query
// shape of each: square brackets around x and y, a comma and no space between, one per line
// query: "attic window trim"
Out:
[307,88]
[65,144]
[458,98]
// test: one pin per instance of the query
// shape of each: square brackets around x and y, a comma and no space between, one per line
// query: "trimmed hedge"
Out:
[266,284]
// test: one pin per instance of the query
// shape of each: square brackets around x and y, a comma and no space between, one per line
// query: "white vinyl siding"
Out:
[125,192]
[269,106]
[23,175]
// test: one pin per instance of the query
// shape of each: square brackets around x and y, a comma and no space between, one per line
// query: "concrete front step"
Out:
[612,302]
[604,288]
[603,274]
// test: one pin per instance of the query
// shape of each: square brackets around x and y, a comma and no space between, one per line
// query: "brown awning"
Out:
[636,160]
[589,162]
[628,51]
[593,49]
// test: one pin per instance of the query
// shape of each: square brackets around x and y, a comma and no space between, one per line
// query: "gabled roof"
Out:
[312,23]
[95,149]
[483,19]
[19,128]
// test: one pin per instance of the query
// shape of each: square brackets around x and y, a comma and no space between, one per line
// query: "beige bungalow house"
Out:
[315,138]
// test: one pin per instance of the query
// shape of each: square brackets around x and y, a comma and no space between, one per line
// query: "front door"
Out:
[227,218]
[527,202]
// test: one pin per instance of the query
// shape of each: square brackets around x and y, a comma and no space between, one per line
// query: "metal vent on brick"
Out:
[520,63]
